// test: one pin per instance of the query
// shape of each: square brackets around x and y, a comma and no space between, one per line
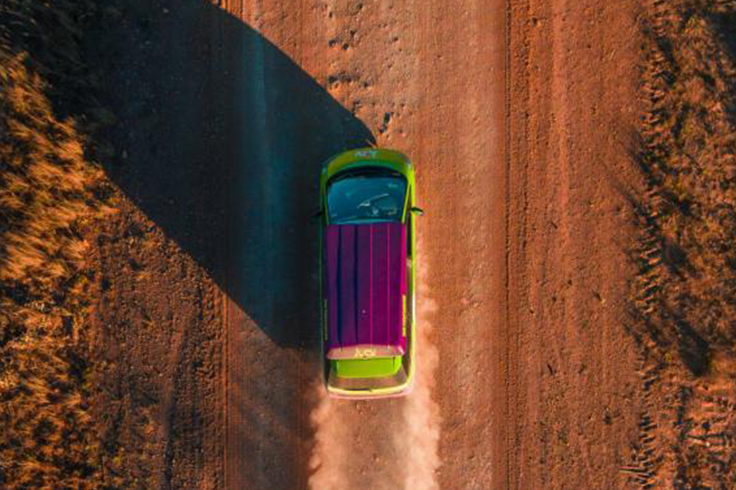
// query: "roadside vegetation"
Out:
[50,195]
[684,300]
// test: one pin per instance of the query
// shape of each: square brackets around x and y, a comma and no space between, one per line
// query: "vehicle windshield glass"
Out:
[366,195]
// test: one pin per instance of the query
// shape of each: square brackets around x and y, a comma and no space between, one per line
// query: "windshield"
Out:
[366,195]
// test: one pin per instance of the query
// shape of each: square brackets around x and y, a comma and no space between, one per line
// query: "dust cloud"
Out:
[421,414]
[378,444]
[326,462]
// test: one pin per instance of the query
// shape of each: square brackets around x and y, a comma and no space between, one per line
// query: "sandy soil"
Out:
[517,118]
[577,394]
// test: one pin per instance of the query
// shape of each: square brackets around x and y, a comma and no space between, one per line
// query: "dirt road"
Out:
[438,96]
[577,389]
[517,116]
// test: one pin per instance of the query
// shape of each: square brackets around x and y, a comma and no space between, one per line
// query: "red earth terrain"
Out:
[517,116]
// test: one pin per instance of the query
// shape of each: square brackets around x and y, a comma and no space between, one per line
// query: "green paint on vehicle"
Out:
[367,368]
[377,367]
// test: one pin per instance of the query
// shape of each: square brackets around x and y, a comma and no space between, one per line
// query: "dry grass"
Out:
[684,306]
[688,159]
[49,194]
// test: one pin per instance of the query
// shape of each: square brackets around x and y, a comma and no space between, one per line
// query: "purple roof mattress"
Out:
[364,280]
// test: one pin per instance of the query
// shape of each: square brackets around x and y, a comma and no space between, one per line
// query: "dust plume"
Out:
[421,414]
[326,461]
[382,444]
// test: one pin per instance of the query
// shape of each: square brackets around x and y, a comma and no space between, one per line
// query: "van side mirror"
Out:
[417,211]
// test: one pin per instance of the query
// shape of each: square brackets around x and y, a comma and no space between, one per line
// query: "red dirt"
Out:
[518,116]
[159,342]
[576,394]
[576,163]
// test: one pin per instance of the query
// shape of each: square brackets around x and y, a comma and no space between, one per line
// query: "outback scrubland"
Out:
[684,297]
[111,341]
[51,193]
[101,378]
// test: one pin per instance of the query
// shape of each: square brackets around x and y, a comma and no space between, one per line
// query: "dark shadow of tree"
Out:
[221,146]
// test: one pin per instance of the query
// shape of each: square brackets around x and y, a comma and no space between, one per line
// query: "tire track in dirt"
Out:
[574,397]
[646,453]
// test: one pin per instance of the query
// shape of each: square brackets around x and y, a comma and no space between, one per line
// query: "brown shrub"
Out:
[688,159]
[48,196]
[684,297]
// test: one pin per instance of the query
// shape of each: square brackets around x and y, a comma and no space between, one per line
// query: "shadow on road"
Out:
[219,141]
